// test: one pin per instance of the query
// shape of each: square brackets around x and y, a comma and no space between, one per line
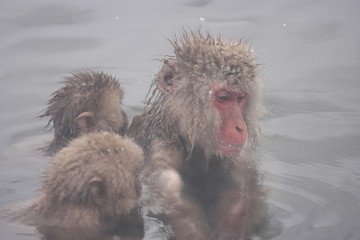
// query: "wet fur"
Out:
[90,91]
[70,206]
[179,129]
[203,61]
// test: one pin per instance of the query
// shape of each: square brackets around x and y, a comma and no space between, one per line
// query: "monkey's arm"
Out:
[164,177]
[242,206]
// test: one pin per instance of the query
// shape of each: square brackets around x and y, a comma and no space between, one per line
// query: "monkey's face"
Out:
[233,129]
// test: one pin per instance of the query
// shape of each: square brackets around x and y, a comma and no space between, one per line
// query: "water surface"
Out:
[311,55]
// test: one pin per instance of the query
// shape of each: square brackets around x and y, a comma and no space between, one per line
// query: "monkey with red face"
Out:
[199,133]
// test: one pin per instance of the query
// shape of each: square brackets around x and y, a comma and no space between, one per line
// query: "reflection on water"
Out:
[310,49]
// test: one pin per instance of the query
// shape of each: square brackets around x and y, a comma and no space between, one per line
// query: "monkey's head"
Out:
[211,94]
[88,102]
[95,173]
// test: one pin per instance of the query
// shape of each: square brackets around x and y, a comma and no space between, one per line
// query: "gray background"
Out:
[311,55]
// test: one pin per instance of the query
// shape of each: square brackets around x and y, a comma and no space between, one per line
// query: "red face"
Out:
[233,131]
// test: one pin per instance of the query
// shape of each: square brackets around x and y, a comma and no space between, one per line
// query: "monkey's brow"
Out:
[232,91]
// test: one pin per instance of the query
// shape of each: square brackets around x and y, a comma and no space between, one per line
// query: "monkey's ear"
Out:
[85,121]
[168,76]
[97,189]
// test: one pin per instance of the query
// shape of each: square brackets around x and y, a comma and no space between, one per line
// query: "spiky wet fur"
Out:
[66,200]
[203,59]
[86,91]
[179,129]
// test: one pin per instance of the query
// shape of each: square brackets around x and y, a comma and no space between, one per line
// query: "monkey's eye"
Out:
[241,98]
[168,78]
[224,96]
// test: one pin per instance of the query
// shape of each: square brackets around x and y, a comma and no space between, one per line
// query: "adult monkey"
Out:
[199,134]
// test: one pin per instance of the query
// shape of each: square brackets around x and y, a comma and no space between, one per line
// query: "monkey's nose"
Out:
[239,129]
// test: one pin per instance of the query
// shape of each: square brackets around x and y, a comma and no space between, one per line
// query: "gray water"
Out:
[311,55]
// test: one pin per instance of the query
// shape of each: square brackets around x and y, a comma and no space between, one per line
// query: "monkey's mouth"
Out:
[230,149]
[223,145]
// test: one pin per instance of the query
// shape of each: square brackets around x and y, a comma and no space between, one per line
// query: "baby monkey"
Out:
[90,191]
[88,101]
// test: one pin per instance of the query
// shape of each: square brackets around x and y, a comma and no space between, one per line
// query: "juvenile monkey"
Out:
[199,133]
[90,191]
[89,101]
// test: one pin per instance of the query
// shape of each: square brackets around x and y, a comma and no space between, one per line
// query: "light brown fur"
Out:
[179,131]
[89,191]
[92,92]
[202,61]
